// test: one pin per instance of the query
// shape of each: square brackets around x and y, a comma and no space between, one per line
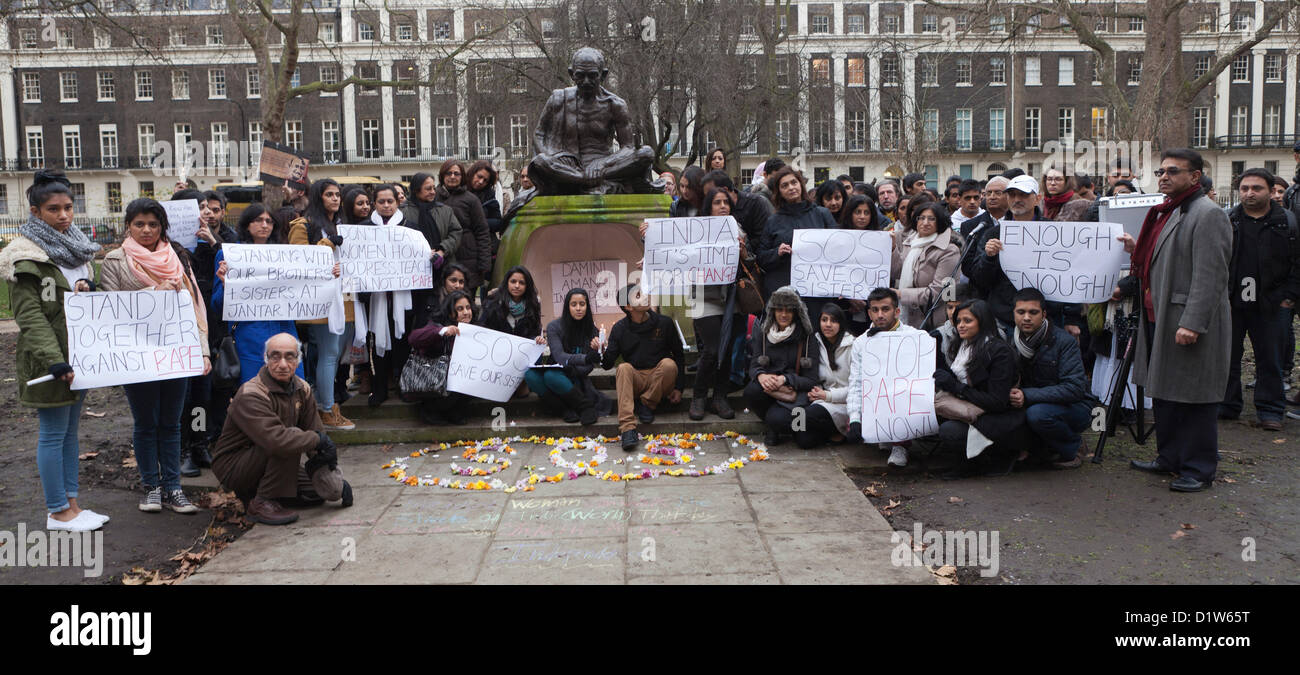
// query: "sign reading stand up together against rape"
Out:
[840,263]
[1068,262]
[384,258]
[489,364]
[278,282]
[685,252]
[131,336]
[897,379]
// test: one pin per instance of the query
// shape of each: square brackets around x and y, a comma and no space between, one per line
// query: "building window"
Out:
[1206,21]
[370,139]
[365,31]
[108,146]
[747,28]
[997,128]
[253,82]
[1240,123]
[821,134]
[72,147]
[114,196]
[930,127]
[217,83]
[181,137]
[518,135]
[548,29]
[997,70]
[78,198]
[35,148]
[487,136]
[1201,127]
[750,133]
[856,24]
[963,71]
[963,128]
[1033,23]
[1242,20]
[103,40]
[143,85]
[293,134]
[781,129]
[220,144]
[64,38]
[890,23]
[1065,126]
[146,189]
[67,87]
[1135,69]
[1100,125]
[216,35]
[821,23]
[1033,127]
[180,85]
[29,38]
[104,86]
[929,71]
[997,24]
[329,140]
[442,30]
[891,131]
[782,71]
[144,140]
[445,135]
[31,87]
[176,36]
[889,69]
[1136,24]
[329,74]
[408,143]
[857,72]
[254,142]
[963,23]
[821,71]
[1241,68]
[857,131]
[1065,71]
[930,23]
[1033,71]
[1272,122]
[444,82]
[405,74]
[1273,67]
[405,31]
[1202,66]
[482,27]
[483,78]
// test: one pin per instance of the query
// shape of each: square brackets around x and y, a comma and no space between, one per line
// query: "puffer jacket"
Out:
[42,327]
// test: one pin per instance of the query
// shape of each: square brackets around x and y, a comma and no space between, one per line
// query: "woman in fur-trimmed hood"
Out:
[784,363]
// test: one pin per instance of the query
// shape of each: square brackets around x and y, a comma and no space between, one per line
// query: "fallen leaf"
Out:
[1188,526]
[1279,441]
[95,414]
[871,491]
[893,504]
[1178,535]
[955,500]
[88,455]
[129,462]
[1229,480]
[946,571]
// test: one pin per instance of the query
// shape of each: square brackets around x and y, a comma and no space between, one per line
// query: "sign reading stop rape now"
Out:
[384,258]
[127,337]
[840,263]
[489,364]
[1067,262]
[278,282]
[896,376]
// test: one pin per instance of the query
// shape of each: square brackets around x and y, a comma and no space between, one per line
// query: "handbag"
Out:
[225,365]
[748,296]
[951,407]
[425,375]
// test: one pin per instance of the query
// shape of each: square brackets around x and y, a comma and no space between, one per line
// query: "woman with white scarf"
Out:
[384,314]
[925,260]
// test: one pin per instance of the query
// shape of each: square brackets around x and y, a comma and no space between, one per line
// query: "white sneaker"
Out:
[99,516]
[82,523]
[898,456]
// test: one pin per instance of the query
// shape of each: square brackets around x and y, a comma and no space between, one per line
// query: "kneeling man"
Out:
[1052,388]
[271,424]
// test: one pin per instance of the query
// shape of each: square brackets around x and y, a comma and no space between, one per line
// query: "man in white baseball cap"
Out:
[1022,197]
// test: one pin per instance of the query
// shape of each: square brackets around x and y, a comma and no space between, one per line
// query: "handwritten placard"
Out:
[384,258]
[1067,262]
[183,222]
[598,277]
[278,282]
[840,263]
[685,252]
[489,364]
[127,337]
[896,374]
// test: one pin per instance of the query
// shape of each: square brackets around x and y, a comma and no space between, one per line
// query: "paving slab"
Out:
[796,476]
[685,503]
[842,558]
[413,559]
[692,550]
[278,578]
[266,548]
[803,512]
[555,561]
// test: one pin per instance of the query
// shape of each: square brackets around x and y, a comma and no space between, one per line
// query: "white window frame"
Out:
[143,80]
[963,71]
[105,89]
[1242,74]
[219,148]
[408,138]
[998,70]
[176,36]
[861,72]
[1033,71]
[1066,131]
[1201,127]
[1035,140]
[997,128]
[103,39]
[180,84]
[253,82]
[35,160]
[405,32]
[333,70]
[519,141]
[1273,74]
[330,140]
[214,35]
[73,155]
[372,141]
[365,32]
[855,133]
[485,132]
[1065,71]
[64,39]
[965,122]
[31,87]
[217,88]
[293,137]
[66,78]
[327,33]
[445,137]
[819,24]
[145,136]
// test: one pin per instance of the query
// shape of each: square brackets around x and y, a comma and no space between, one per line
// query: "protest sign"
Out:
[896,373]
[131,336]
[489,364]
[384,258]
[1067,262]
[594,276]
[282,165]
[183,222]
[685,252]
[1128,210]
[840,263]
[270,282]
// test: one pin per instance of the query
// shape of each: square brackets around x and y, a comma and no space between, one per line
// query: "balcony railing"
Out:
[1256,141]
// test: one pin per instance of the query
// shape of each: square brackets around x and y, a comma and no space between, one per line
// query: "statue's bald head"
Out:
[588,56]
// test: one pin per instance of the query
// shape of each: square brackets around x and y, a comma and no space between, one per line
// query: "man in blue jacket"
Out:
[1052,391]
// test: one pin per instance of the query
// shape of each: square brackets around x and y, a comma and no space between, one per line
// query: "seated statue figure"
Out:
[574,134]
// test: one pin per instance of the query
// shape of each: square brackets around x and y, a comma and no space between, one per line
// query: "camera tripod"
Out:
[1119,386]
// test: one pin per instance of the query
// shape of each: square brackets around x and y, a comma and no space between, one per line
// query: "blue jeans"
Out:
[158,407]
[1059,426]
[56,453]
[543,380]
[329,347]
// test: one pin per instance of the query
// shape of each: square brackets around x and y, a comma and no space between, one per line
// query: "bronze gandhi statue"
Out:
[574,140]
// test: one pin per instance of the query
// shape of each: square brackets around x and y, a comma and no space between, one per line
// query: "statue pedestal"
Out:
[588,241]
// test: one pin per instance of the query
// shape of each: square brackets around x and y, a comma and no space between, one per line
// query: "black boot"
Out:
[188,468]
[571,403]
[199,454]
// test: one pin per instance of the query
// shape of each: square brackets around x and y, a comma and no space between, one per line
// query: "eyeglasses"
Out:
[290,357]
[1171,171]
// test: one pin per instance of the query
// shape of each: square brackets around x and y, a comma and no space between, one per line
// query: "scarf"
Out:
[516,308]
[908,276]
[428,224]
[69,249]
[1052,205]
[776,337]
[373,316]
[1029,346]
[1146,243]
[961,361]
[162,264]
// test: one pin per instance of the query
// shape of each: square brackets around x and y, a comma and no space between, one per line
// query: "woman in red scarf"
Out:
[1059,200]
[148,260]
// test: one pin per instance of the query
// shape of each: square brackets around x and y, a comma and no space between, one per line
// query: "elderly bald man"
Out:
[271,425]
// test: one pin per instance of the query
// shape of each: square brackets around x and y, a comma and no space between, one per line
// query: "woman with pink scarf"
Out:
[148,260]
